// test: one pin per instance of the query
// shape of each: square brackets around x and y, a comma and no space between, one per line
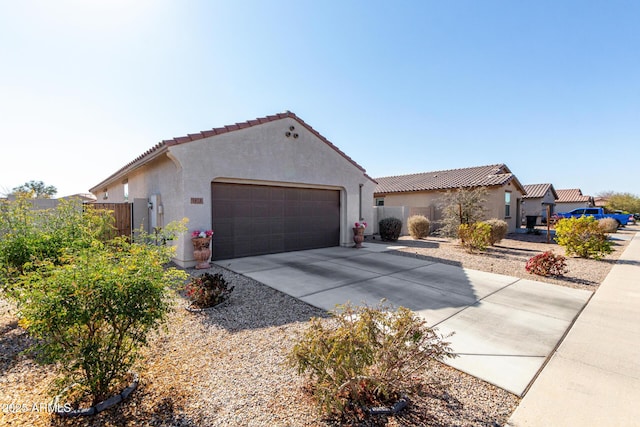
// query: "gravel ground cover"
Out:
[225,366]
[510,256]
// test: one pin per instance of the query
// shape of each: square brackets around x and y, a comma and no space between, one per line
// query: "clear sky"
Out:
[551,88]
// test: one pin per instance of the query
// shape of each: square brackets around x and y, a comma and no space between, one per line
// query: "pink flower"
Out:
[361,224]
[201,234]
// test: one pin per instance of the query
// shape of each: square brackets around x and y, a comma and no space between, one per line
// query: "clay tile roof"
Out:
[479,176]
[571,195]
[162,146]
[537,191]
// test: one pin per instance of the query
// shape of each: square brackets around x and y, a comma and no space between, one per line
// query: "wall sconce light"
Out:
[150,205]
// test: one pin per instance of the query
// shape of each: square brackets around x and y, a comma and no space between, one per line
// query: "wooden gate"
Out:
[121,213]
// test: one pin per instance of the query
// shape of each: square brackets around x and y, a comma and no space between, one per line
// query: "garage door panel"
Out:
[254,219]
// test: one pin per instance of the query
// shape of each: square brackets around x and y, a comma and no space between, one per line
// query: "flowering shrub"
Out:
[361,224]
[208,290]
[583,237]
[476,236]
[547,264]
[203,233]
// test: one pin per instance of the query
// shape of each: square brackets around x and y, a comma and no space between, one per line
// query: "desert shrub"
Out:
[461,206]
[30,235]
[547,264]
[208,290]
[582,237]
[499,230]
[365,357]
[608,225]
[390,228]
[91,306]
[474,237]
[419,226]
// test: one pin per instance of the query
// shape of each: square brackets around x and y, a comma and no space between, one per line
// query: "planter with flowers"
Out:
[358,233]
[201,251]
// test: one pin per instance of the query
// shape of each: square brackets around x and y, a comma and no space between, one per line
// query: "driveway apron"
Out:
[504,328]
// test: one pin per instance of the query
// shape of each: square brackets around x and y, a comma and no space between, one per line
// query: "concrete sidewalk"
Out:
[505,327]
[594,377]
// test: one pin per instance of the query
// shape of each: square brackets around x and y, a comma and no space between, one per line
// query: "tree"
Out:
[623,201]
[37,189]
[462,206]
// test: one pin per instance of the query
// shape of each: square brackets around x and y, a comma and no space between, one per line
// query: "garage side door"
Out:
[259,219]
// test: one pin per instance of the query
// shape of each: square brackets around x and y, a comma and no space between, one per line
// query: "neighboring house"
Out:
[535,202]
[572,198]
[268,185]
[422,192]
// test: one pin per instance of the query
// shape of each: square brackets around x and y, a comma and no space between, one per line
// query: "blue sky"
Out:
[551,88]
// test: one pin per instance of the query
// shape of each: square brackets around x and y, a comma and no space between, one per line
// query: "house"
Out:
[269,185]
[422,192]
[572,198]
[537,199]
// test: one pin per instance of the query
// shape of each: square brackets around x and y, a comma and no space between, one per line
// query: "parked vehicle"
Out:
[597,213]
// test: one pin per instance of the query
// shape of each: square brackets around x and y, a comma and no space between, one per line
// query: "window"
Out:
[105,196]
[380,201]
[507,204]
[126,190]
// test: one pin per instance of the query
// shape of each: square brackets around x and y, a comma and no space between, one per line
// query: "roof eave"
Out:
[126,170]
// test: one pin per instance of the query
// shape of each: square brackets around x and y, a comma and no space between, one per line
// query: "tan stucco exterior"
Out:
[181,174]
[538,206]
[431,200]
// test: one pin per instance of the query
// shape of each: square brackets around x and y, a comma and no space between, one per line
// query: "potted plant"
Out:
[201,251]
[358,233]
[207,290]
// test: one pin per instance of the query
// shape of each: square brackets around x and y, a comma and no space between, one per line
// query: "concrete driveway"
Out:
[505,327]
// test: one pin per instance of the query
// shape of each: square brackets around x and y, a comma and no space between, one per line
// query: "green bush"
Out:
[365,357]
[390,228]
[419,226]
[28,234]
[499,230]
[582,237]
[88,300]
[94,312]
[608,225]
[474,237]
[547,264]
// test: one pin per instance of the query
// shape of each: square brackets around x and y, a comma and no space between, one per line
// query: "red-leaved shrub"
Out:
[547,264]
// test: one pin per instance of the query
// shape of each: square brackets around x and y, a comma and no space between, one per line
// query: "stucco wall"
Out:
[260,154]
[566,206]
[538,206]
[495,205]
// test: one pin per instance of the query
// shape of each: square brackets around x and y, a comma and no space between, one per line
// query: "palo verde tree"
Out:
[92,302]
[36,189]
[461,206]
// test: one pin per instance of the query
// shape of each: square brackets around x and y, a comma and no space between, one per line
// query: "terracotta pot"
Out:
[201,252]
[358,236]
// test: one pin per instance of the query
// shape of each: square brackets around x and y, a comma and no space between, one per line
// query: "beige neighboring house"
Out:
[535,202]
[572,198]
[268,185]
[422,192]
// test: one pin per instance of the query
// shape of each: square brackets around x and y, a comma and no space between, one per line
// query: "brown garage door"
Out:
[260,219]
